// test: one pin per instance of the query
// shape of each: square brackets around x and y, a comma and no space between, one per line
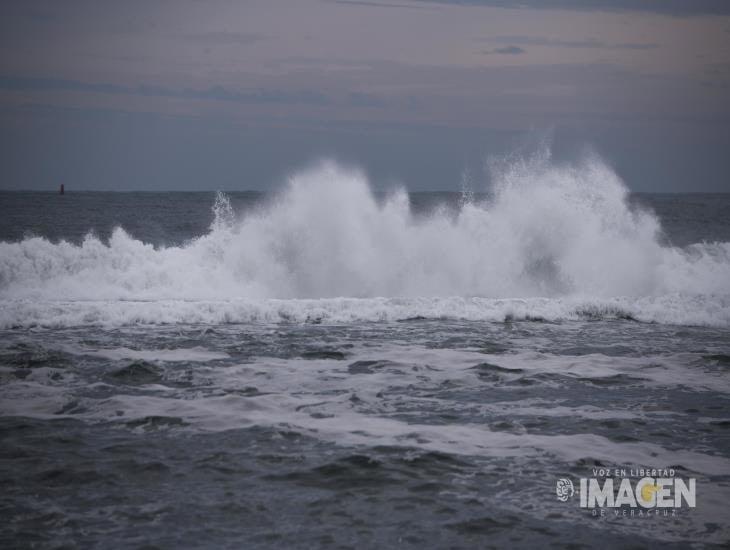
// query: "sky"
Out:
[235,95]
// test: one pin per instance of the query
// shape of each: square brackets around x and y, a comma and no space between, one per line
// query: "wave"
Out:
[561,238]
[671,309]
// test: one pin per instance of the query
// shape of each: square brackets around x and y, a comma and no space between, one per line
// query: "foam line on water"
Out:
[196,353]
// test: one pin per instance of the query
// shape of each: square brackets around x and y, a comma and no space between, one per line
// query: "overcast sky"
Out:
[196,95]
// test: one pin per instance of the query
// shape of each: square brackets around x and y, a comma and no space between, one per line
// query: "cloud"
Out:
[225,37]
[559,43]
[507,50]
[668,7]
[214,93]
[359,99]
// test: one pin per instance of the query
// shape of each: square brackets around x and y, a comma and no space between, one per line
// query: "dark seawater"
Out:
[178,384]
[174,218]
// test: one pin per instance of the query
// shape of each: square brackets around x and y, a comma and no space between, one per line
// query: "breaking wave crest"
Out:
[553,241]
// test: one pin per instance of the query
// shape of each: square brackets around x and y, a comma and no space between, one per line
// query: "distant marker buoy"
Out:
[60,191]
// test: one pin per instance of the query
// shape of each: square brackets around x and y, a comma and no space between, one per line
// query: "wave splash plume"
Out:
[553,241]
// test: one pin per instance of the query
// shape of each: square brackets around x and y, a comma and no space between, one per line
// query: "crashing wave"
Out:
[553,241]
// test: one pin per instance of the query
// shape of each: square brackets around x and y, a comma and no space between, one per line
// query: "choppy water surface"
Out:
[330,368]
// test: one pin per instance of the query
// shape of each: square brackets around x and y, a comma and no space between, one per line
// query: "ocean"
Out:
[327,366]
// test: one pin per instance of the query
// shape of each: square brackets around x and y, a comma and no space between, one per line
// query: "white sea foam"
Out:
[166,355]
[555,241]
[322,405]
[670,309]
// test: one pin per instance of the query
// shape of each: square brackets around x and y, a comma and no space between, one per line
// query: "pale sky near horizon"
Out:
[195,94]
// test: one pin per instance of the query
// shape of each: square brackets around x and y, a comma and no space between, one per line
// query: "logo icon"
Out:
[564,489]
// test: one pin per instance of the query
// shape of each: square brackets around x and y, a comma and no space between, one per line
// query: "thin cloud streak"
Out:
[366,3]
[225,37]
[217,93]
[680,8]
[507,50]
[589,43]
